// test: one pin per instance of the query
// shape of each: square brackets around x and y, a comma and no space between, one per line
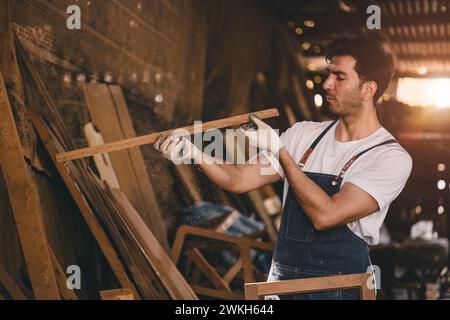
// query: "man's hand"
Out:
[177,149]
[264,138]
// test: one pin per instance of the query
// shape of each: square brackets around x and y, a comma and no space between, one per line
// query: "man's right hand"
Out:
[177,149]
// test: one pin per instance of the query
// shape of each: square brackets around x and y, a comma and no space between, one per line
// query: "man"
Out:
[339,176]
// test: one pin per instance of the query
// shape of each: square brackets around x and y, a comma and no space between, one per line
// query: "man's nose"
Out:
[328,84]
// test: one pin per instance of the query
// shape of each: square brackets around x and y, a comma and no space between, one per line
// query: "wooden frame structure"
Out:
[257,291]
[221,283]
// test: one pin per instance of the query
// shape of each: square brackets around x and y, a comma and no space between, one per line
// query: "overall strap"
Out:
[308,151]
[340,176]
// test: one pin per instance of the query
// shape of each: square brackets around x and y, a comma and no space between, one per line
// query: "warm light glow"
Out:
[441,167]
[312,67]
[299,31]
[422,70]
[441,184]
[306,45]
[309,84]
[309,23]
[440,210]
[418,210]
[424,92]
[318,100]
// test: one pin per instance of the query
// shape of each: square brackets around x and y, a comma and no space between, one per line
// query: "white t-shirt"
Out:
[382,172]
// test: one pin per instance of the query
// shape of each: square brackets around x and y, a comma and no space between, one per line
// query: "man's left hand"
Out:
[264,138]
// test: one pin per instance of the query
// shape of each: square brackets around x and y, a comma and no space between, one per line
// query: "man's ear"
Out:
[368,90]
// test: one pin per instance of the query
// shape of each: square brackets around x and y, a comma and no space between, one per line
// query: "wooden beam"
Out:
[91,220]
[24,199]
[151,138]
[233,271]
[66,293]
[163,265]
[209,272]
[295,286]
[109,113]
[117,294]
[220,294]
[10,286]
[186,230]
[102,161]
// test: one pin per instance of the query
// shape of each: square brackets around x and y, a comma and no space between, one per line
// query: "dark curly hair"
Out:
[373,61]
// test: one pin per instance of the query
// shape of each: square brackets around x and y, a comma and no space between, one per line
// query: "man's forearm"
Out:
[222,174]
[315,202]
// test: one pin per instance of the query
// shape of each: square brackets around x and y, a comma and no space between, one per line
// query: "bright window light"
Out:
[422,92]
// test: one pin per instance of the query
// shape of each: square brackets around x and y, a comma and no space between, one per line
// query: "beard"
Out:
[345,105]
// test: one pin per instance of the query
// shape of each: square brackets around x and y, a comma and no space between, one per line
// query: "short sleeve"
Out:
[291,138]
[287,136]
[383,176]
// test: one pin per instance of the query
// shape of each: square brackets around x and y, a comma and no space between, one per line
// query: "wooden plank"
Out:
[150,208]
[220,294]
[169,275]
[311,285]
[368,293]
[208,271]
[102,161]
[117,294]
[290,115]
[233,271]
[110,115]
[25,205]
[228,222]
[10,286]
[186,230]
[89,217]
[247,264]
[251,292]
[151,138]
[66,293]
[131,251]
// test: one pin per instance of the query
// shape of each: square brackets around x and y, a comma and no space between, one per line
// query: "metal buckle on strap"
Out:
[338,178]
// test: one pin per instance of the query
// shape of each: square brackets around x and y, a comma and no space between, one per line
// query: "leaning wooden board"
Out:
[10,286]
[151,138]
[173,281]
[90,218]
[24,199]
[110,115]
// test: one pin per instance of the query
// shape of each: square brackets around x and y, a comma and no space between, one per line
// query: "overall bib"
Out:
[303,252]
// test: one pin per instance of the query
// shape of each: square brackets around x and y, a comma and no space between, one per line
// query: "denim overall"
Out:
[303,252]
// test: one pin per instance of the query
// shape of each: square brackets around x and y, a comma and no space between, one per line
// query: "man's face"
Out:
[343,86]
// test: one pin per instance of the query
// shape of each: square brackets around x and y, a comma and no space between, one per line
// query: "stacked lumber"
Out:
[136,265]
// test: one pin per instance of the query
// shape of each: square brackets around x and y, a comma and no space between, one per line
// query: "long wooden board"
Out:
[25,205]
[66,293]
[10,286]
[90,218]
[110,115]
[170,276]
[151,138]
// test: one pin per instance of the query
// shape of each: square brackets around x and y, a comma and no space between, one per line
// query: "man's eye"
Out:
[340,79]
